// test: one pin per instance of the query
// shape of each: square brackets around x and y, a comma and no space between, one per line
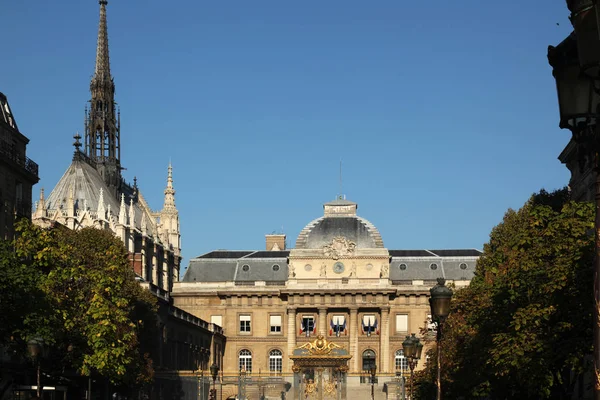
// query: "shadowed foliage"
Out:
[76,290]
[523,328]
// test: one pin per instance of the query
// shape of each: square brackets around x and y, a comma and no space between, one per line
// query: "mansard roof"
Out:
[405,265]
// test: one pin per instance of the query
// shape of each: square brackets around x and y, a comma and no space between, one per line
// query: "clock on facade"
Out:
[338,267]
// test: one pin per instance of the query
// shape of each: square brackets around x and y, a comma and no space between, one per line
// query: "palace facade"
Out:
[339,281]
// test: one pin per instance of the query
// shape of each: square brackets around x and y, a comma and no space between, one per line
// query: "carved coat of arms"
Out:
[340,247]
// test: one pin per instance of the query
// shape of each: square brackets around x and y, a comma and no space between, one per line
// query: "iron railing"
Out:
[8,153]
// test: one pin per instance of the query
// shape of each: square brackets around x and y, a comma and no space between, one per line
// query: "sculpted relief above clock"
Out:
[340,247]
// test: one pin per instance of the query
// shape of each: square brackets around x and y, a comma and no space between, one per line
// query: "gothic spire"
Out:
[169,191]
[102,58]
[102,127]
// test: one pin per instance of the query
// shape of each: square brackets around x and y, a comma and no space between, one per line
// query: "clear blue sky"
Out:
[444,113]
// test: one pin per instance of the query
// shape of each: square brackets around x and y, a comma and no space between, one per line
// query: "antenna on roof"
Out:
[340,195]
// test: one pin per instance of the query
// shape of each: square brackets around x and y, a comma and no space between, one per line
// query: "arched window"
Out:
[401,362]
[368,360]
[246,360]
[275,362]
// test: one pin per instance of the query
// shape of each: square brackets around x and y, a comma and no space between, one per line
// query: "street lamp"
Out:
[242,384]
[440,308]
[585,20]
[373,371]
[412,348]
[576,67]
[214,371]
[35,348]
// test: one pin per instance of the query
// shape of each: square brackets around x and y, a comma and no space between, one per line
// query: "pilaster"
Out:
[354,339]
[384,338]
[291,334]
[323,321]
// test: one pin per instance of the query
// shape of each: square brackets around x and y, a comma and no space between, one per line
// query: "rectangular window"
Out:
[245,326]
[307,325]
[217,320]
[401,361]
[275,323]
[401,323]
[369,324]
[337,325]
[275,362]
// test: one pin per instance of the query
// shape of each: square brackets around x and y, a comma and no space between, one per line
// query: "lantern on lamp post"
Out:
[35,347]
[373,371]
[214,371]
[440,308]
[412,348]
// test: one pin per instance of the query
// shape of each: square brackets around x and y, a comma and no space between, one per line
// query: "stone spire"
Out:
[169,216]
[169,192]
[42,202]
[40,207]
[102,57]
[102,123]
[122,210]
[131,214]
[101,209]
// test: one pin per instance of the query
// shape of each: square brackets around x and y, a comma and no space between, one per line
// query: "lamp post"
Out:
[576,68]
[373,371]
[412,348]
[440,308]
[35,348]
[214,371]
[242,385]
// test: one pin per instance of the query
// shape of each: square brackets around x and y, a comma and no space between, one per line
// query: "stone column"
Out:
[165,271]
[323,321]
[354,339]
[384,340]
[154,266]
[320,377]
[291,335]
[144,260]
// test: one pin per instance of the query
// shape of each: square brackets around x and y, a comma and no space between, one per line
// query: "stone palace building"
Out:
[339,281]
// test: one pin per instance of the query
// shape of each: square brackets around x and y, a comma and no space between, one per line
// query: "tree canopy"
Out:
[523,328]
[77,292]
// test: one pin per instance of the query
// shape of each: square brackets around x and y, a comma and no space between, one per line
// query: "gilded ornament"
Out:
[320,346]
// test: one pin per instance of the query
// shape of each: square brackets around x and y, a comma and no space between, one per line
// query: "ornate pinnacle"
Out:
[77,143]
[169,191]
[102,58]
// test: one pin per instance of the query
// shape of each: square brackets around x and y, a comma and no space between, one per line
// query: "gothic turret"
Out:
[169,216]
[102,126]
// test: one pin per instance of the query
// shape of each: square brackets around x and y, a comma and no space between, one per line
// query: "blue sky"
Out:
[444,113]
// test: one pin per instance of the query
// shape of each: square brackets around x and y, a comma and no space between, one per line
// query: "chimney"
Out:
[275,242]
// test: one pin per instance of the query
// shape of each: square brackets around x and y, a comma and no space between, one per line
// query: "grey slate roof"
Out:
[208,268]
[229,266]
[86,183]
[321,232]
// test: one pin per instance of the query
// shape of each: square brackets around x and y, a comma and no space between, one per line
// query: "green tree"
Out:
[94,314]
[523,328]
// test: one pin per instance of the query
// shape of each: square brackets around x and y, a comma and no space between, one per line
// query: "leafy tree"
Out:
[93,313]
[523,328]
